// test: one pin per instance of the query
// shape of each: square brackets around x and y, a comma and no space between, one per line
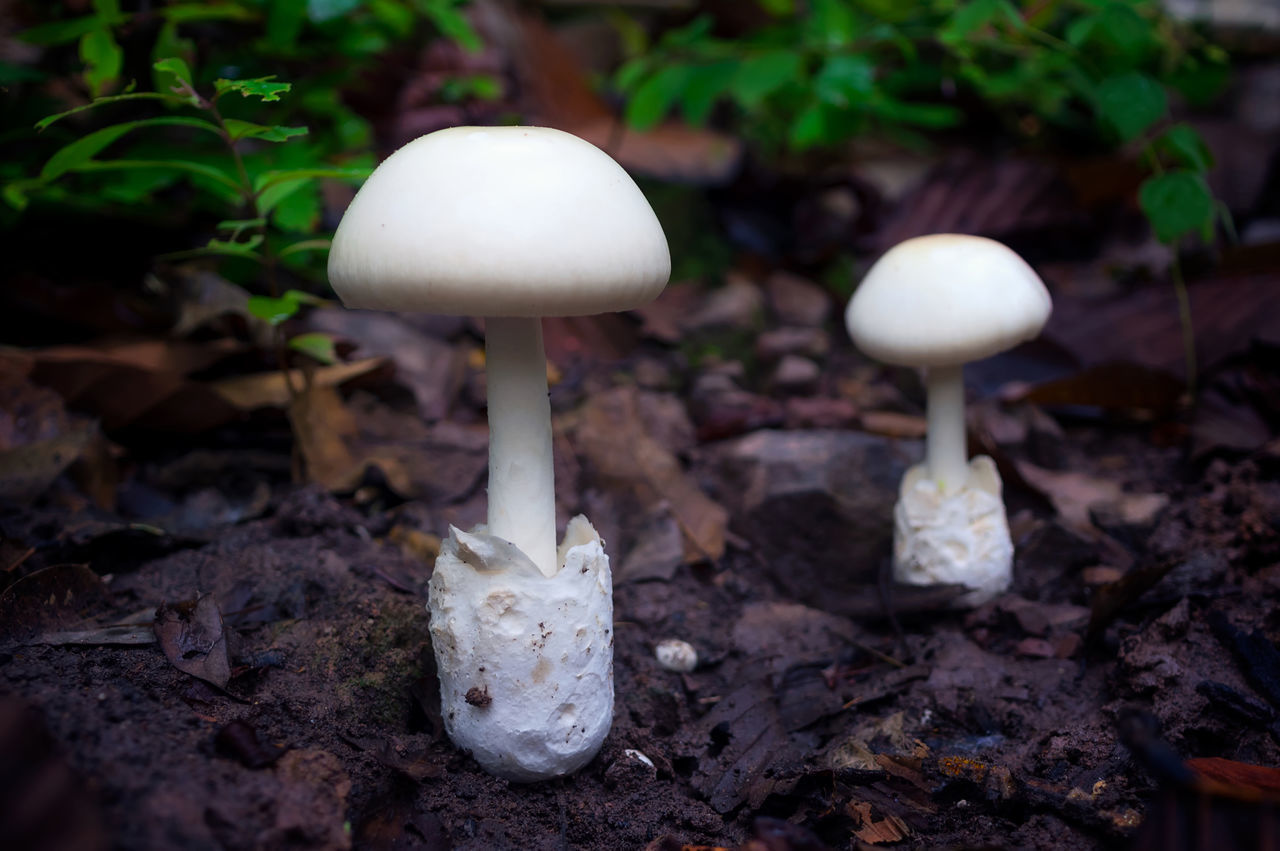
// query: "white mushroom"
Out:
[511,223]
[938,302]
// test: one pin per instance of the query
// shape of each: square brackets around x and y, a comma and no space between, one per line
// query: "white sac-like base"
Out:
[958,538]
[525,661]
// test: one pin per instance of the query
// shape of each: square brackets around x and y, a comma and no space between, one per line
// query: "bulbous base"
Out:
[525,661]
[955,538]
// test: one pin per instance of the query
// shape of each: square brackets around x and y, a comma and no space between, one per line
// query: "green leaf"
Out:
[299,211]
[653,98]
[274,195]
[320,11]
[935,116]
[1177,203]
[810,128]
[831,23]
[170,70]
[273,311]
[970,17]
[764,73]
[103,59]
[395,16]
[76,155]
[304,246]
[1130,103]
[284,24]
[1185,146]
[182,12]
[239,226]
[317,346]
[1123,33]
[273,178]
[199,169]
[177,68]
[259,87]
[845,78]
[161,96]
[445,16]
[248,130]
[705,85]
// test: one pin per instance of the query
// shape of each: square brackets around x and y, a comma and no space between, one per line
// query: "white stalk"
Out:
[522,503]
[946,449]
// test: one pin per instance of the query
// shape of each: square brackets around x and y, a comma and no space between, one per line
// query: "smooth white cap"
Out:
[944,300]
[499,221]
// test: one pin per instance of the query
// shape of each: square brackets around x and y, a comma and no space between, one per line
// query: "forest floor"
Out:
[199,653]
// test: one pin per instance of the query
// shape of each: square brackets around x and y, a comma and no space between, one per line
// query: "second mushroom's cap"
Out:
[499,221]
[944,300]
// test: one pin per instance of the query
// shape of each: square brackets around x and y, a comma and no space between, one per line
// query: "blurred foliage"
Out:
[205,136]
[817,74]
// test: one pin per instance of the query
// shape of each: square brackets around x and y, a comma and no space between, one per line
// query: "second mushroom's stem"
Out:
[522,503]
[946,451]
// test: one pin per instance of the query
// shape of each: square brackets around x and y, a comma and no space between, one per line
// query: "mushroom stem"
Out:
[522,503]
[946,450]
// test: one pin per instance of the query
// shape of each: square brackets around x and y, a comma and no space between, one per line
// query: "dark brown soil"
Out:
[815,718]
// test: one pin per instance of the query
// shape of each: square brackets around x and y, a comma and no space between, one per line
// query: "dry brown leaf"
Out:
[873,832]
[560,94]
[1075,495]
[329,444]
[611,435]
[271,389]
[893,424]
[193,639]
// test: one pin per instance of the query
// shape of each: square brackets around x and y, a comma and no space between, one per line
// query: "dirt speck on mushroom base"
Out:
[525,660]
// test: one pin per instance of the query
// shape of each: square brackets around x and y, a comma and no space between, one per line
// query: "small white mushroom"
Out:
[511,223]
[938,302]
[676,655]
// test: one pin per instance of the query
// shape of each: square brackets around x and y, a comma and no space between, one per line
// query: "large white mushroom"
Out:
[938,302]
[511,223]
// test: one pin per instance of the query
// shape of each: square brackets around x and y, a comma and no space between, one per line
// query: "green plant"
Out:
[816,74]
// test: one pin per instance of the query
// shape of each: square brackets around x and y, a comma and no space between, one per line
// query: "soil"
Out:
[245,663]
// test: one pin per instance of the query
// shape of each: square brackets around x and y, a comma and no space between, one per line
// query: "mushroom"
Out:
[513,224]
[938,302]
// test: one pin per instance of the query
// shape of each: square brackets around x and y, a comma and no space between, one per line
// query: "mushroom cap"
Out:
[499,221]
[944,300]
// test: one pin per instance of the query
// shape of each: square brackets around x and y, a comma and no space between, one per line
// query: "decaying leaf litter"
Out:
[206,651]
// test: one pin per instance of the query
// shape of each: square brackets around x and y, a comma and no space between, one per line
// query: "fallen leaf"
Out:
[893,424]
[429,367]
[1113,385]
[192,636]
[610,433]
[886,830]
[271,389]
[1238,777]
[107,636]
[27,471]
[55,598]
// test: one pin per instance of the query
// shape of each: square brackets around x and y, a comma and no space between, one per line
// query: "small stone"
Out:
[632,769]
[676,655]
[798,301]
[795,374]
[779,342]
[736,304]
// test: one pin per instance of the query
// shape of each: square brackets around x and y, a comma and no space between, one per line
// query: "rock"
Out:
[779,342]
[676,655]
[817,504]
[735,304]
[797,301]
[795,375]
